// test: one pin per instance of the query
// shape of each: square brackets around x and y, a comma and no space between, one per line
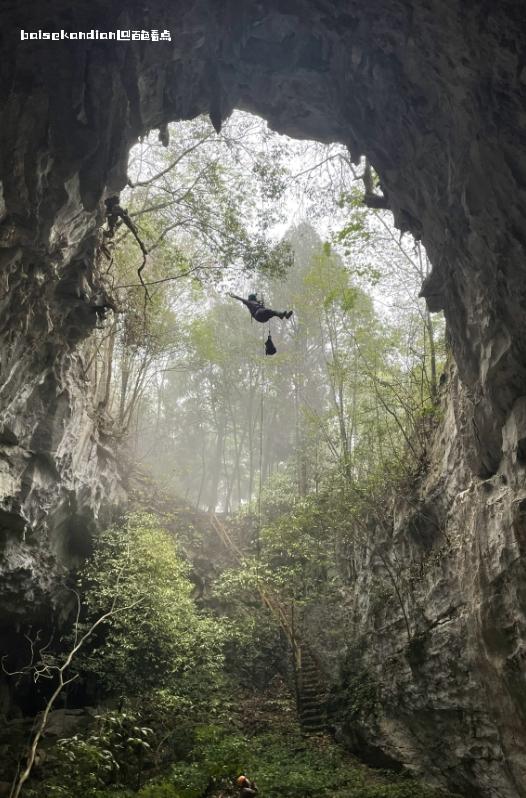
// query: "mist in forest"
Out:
[256,478]
[181,367]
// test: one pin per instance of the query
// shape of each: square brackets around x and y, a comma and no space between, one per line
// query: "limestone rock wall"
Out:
[434,92]
[437,627]
[58,472]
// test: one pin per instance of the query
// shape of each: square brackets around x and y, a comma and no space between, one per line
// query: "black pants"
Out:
[264,314]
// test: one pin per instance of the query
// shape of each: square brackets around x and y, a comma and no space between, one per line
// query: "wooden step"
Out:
[314,712]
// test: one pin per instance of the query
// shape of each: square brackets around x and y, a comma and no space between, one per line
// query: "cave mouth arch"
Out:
[300,231]
[434,95]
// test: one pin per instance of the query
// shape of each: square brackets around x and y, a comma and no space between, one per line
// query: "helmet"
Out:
[241,780]
[253,297]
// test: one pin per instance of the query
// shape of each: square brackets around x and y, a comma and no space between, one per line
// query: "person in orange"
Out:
[247,788]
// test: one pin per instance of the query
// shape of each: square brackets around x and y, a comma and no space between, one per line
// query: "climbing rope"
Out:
[260,480]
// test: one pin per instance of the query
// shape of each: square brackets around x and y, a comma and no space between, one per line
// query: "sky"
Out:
[314,176]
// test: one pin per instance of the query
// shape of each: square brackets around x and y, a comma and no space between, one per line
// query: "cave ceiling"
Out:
[432,91]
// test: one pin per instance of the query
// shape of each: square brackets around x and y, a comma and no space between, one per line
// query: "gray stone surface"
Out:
[444,647]
[433,91]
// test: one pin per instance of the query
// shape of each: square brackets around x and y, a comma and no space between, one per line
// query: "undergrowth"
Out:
[283,763]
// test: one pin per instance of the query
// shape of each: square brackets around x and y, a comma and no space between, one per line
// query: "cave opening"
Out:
[251,211]
[423,581]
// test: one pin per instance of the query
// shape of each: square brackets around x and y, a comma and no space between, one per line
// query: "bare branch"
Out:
[49,671]
[171,165]
[116,213]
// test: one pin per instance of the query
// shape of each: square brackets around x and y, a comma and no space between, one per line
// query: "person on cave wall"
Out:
[247,788]
[258,311]
[101,303]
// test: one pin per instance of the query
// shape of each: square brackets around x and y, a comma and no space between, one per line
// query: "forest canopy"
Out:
[181,373]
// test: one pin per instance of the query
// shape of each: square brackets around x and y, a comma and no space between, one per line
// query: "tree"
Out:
[165,641]
[57,669]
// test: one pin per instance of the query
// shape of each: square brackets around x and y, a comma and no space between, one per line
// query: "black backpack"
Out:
[270,349]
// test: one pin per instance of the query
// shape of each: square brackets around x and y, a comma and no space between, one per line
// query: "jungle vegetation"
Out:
[181,675]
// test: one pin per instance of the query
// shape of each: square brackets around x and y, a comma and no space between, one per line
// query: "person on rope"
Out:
[247,788]
[258,311]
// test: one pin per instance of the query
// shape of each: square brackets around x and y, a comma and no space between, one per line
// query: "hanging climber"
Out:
[258,311]
[247,789]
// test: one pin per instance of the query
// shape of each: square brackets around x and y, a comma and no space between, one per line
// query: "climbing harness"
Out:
[270,349]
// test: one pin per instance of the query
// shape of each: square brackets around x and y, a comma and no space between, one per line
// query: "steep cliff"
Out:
[434,92]
[433,675]
[57,469]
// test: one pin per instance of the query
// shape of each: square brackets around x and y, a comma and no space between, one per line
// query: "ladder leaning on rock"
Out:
[311,691]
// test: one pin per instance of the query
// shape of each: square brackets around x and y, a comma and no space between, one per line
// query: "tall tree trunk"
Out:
[125,377]
[433,384]
[108,368]
[299,444]
[238,449]
[203,472]
[215,474]
[251,424]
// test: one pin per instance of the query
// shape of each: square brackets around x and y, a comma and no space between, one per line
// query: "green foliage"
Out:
[165,789]
[256,650]
[355,232]
[161,638]
[83,766]
[360,694]
[180,751]
[112,753]
[221,753]
[186,780]
[283,767]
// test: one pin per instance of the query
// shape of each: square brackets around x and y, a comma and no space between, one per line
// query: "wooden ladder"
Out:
[308,673]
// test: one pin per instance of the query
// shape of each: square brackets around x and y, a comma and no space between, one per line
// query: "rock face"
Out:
[57,471]
[434,92]
[438,629]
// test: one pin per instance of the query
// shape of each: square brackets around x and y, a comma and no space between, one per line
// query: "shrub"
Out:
[163,639]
